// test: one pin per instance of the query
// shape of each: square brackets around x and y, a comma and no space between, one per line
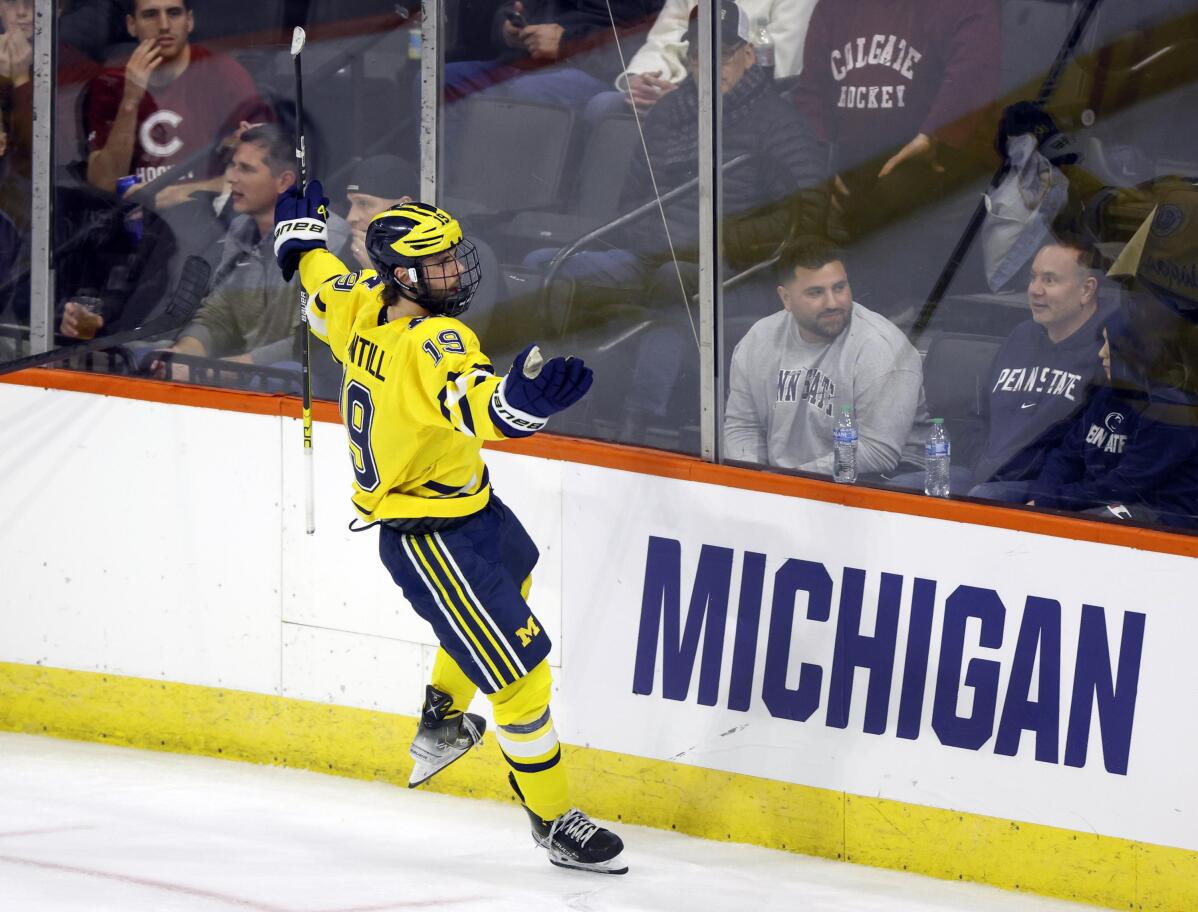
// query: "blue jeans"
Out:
[563,85]
[621,269]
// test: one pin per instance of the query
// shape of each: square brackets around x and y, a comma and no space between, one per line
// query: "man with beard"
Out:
[795,370]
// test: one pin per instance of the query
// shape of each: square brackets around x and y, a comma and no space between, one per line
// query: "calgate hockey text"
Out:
[969,618]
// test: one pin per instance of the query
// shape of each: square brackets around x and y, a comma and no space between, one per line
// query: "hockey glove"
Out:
[300,225]
[535,389]
[1027,117]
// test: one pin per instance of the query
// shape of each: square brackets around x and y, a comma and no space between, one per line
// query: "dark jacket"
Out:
[762,197]
[1125,449]
[1036,388]
[95,252]
[588,41]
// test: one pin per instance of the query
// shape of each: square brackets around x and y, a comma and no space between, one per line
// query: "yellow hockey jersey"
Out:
[416,397]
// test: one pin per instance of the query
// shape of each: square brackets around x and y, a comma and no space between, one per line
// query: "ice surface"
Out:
[98,828]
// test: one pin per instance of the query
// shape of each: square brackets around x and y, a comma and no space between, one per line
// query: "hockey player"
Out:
[418,399]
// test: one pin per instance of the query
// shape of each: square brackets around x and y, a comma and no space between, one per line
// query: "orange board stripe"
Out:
[647,462]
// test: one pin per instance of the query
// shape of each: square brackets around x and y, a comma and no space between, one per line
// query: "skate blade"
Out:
[423,771]
[611,866]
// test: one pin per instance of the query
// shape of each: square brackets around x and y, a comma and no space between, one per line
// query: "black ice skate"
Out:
[574,841]
[441,738]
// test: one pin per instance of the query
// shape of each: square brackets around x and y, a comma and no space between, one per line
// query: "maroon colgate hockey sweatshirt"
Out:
[878,72]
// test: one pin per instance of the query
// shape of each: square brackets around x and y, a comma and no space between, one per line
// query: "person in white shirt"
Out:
[660,65]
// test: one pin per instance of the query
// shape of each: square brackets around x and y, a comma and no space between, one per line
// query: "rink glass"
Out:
[532,159]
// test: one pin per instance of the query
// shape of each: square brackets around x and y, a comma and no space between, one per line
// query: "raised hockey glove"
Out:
[534,389]
[300,225]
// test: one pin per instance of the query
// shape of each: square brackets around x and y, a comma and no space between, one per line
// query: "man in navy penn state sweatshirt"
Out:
[1040,377]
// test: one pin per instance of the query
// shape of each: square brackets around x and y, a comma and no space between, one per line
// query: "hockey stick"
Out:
[298,38]
[193,284]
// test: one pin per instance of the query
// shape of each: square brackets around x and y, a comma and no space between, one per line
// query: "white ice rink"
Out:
[98,828]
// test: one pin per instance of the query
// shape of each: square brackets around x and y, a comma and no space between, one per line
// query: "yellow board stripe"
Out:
[463,628]
[460,586]
[363,744]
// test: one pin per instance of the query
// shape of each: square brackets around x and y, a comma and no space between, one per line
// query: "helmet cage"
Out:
[434,293]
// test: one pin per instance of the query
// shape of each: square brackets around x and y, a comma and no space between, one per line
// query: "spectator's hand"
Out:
[919,148]
[511,34]
[543,42]
[231,141]
[178,371]
[647,89]
[80,323]
[840,193]
[146,58]
[240,359]
[16,57]
[174,195]
[300,225]
[1025,117]
[3,142]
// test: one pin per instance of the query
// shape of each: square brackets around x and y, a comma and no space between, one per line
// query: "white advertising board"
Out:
[930,662]
[948,665]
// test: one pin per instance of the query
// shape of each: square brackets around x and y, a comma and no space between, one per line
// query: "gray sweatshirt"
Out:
[785,394]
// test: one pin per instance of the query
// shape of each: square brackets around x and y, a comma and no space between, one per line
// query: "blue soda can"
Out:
[124,183]
[134,223]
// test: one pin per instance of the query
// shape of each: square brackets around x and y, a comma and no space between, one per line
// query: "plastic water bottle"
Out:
[844,447]
[763,44]
[938,455]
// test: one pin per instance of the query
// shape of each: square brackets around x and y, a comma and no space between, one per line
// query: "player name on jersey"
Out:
[969,707]
[368,355]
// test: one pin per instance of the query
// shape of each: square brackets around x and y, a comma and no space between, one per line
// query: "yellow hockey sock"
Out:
[529,742]
[449,678]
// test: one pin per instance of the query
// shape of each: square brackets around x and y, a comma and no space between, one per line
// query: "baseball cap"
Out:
[734,27]
[1163,253]
[385,176]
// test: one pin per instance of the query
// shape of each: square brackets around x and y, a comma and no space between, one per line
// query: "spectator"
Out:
[119,254]
[900,89]
[74,69]
[659,66]
[559,51]
[793,371]
[1125,457]
[251,315]
[383,182]
[766,198]
[376,184]
[763,196]
[169,101]
[1040,377]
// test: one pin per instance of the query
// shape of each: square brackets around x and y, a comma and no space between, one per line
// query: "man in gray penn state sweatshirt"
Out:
[794,371]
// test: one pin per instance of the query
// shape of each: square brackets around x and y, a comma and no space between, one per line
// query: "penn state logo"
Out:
[1114,422]
[1169,220]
